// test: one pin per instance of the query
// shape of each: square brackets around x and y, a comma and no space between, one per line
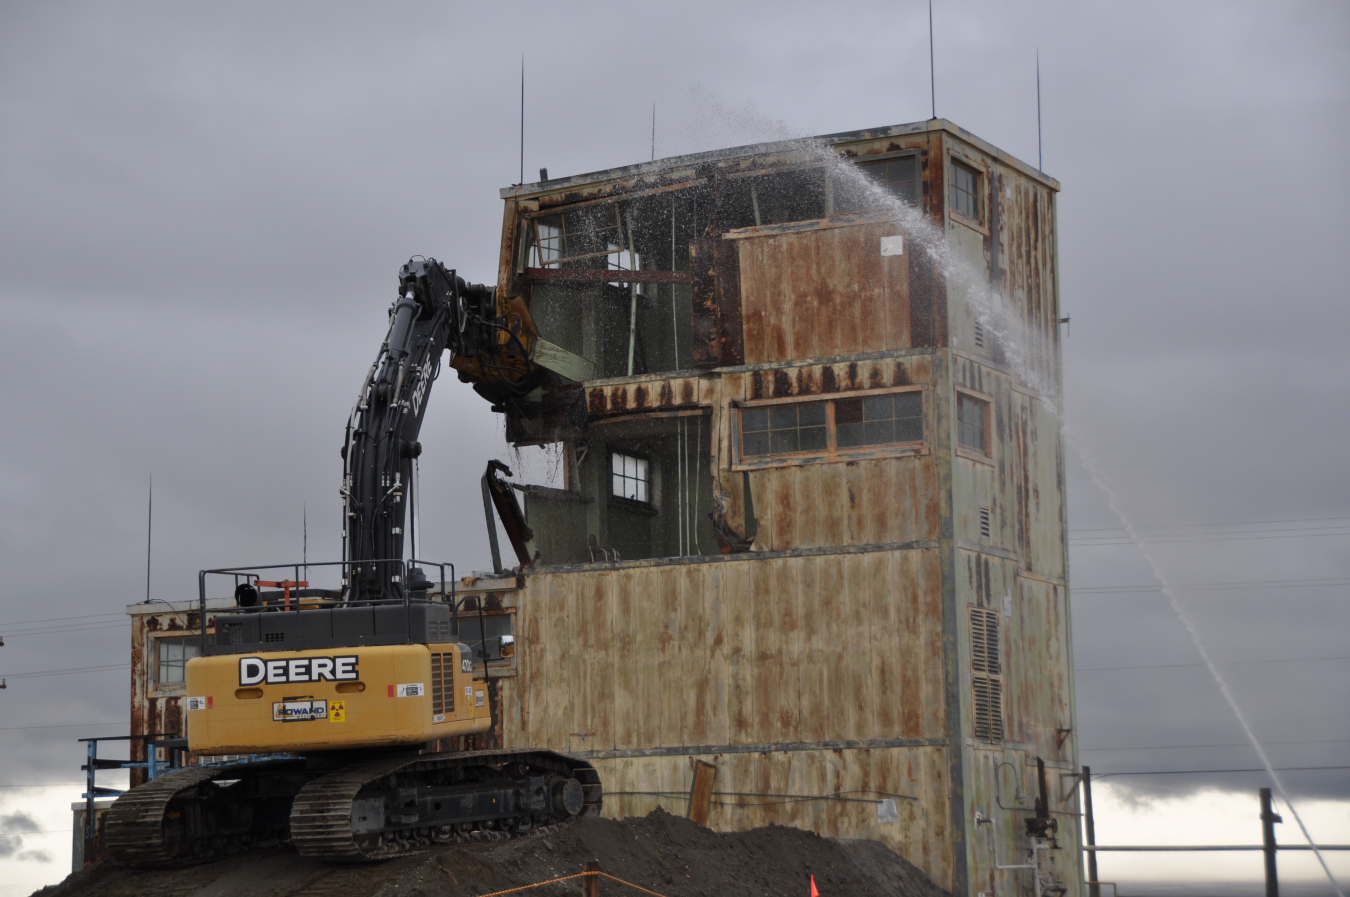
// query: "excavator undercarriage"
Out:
[347,810]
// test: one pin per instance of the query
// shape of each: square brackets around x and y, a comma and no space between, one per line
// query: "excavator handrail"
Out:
[249,572]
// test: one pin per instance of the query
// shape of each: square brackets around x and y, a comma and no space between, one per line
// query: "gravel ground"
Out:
[660,852]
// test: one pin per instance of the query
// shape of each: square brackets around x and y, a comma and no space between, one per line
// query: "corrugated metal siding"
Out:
[823,292]
[832,647]
[792,650]
[920,836]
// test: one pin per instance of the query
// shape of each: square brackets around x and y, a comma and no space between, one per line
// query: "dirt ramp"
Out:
[663,853]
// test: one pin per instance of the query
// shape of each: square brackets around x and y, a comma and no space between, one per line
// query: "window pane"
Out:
[847,411]
[908,404]
[877,408]
[814,439]
[783,441]
[782,417]
[754,419]
[811,415]
[618,484]
[755,443]
[878,432]
[909,429]
[848,435]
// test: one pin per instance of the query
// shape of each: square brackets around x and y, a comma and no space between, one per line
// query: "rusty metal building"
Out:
[811,521]
[812,525]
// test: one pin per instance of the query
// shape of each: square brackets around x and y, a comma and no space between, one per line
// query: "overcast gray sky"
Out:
[203,208]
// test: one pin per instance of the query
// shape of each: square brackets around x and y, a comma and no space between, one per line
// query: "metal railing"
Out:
[250,575]
[1268,846]
[151,765]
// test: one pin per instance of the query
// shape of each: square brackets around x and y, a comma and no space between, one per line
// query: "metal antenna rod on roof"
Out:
[522,118]
[149,529]
[932,69]
[1040,165]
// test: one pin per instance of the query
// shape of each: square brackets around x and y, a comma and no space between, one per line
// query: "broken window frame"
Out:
[831,452]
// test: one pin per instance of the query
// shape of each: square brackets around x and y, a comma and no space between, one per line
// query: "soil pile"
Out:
[662,853]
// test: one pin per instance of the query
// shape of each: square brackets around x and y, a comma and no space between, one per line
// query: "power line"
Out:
[1177,747]
[59,619]
[67,672]
[1178,772]
[1145,529]
[1187,538]
[1228,663]
[10,728]
[1216,586]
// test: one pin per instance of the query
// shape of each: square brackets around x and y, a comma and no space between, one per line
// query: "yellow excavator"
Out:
[325,710]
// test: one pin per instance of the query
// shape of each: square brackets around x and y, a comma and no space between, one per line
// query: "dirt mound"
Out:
[660,852]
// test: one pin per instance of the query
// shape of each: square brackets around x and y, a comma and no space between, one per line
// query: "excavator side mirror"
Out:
[245,595]
[508,646]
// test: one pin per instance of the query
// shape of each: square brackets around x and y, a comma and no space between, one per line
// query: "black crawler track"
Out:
[202,813]
[186,817]
[321,816]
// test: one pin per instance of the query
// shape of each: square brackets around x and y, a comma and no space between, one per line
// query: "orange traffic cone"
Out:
[814,892]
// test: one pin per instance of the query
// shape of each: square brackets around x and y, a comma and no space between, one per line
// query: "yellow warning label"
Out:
[337,711]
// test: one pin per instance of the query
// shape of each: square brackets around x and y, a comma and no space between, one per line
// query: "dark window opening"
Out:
[972,424]
[624,329]
[794,195]
[820,427]
[640,488]
[471,633]
[875,183]
[966,191]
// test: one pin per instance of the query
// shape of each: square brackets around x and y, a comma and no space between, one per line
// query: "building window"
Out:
[849,423]
[171,657]
[897,177]
[972,423]
[986,674]
[965,191]
[879,420]
[785,429]
[631,477]
[498,625]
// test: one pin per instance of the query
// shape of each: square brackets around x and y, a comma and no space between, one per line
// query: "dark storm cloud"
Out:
[204,208]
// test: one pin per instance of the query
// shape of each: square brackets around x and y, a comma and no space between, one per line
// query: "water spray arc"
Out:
[996,316]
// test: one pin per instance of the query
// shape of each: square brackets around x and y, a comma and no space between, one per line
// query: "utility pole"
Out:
[1268,820]
[1094,889]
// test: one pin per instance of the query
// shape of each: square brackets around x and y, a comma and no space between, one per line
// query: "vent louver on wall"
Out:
[986,674]
[979,335]
[442,683]
[984,523]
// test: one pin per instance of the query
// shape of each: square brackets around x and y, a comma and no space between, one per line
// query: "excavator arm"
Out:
[491,343]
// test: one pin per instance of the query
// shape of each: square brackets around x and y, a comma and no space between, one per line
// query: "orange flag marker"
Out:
[814,892]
